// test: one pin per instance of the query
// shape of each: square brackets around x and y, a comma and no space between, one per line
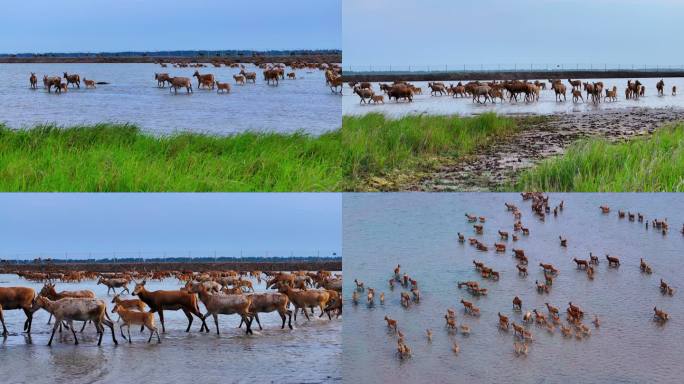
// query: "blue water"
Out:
[133,97]
[419,231]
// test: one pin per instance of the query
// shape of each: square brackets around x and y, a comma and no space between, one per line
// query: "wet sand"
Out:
[541,137]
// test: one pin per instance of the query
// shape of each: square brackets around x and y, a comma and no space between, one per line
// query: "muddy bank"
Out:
[497,166]
[507,75]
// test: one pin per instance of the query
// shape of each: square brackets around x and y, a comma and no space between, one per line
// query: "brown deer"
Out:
[114,283]
[135,304]
[12,298]
[158,301]
[306,299]
[613,261]
[162,79]
[207,80]
[222,304]
[33,80]
[581,263]
[180,82]
[144,319]
[89,83]
[222,87]
[73,79]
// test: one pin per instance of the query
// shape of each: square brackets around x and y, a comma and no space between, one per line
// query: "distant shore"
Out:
[507,75]
[109,59]
[335,264]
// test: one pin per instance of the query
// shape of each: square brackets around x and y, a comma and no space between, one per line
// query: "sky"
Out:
[127,223]
[490,32]
[35,26]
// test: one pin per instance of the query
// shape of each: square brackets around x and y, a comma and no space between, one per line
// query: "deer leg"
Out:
[256,316]
[54,328]
[121,330]
[215,316]
[2,320]
[83,327]
[129,334]
[29,320]
[49,319]
[73,331]
[161,320]
[189,316]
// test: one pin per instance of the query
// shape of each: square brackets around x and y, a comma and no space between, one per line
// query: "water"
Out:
[418,231]
[308,354]
[133,97]
[444,105]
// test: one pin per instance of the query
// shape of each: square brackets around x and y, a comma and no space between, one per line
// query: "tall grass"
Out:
[648,164]
[375,146]
[120,158]
[108,157]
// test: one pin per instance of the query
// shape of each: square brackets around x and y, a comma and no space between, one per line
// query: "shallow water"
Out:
[308,354]
[446,105]
[133,97]
[419,231]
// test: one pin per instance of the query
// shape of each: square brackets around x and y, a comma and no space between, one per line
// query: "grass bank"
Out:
[384,154]
[368,153]
[121,158]
[650,164]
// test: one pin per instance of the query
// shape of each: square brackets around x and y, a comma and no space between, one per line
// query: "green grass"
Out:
[121,158]
[377,147]
[651,164]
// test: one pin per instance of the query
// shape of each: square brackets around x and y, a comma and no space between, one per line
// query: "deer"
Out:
[128,318]
[180,82]
[158,301]
[613,261]
[12,298]
[222,87]
[52,81]
[239,79]
[305,299]
[660,315]
[33,80]
[135,304]
[581,263]
[79,309]
[112,284]
[249,75]
[49,291]
[73,79]
[206,79]
[222,304]
[503,321]
[162,79]
[89,83]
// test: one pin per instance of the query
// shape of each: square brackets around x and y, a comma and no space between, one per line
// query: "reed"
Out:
[651,164]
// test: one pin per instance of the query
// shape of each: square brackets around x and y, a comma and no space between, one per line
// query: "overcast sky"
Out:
[151,25]
[438,32]
[147,222]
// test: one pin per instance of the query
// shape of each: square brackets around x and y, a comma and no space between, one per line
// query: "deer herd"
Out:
[202,295]
[550,318]
[512,91]
[272,74]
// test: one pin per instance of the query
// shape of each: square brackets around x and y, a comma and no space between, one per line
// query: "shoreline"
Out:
[498,166]
[196,266]
[375,77]
[314,58]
